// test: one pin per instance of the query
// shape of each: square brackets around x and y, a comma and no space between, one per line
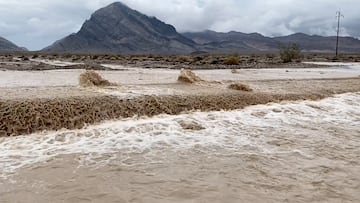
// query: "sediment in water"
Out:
[33,115]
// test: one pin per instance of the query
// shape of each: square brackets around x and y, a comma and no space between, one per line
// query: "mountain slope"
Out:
[320,43]
[6,45]
[232,41]
[119,29]
[236,41]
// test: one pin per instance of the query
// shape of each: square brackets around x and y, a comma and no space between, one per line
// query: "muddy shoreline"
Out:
[92,62]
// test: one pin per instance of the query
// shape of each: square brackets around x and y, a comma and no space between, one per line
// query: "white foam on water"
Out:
[56,62]
[135,91]
[252,127]
[335,63]
[117,67]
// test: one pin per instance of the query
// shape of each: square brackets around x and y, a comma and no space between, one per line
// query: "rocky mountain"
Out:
[120,29]
[6,46]
[240,42]
[211,41]
[316,43]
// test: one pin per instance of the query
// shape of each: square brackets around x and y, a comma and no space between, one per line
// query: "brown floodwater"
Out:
[306,151]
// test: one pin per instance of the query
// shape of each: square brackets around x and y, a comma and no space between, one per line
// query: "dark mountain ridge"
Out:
[7,46]
[120,29]
[231,41]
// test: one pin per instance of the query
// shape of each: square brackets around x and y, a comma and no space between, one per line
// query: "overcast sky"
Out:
[38,23]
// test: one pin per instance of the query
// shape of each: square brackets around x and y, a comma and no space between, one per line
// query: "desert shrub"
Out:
[67,55]
[94,57]
[187,76]
[214,61]
[92,78]
[270,56]
[183,59]
[197,58]
[290,52]
[252,60]
[232,60]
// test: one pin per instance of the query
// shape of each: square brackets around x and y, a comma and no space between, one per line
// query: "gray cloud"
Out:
[38,23]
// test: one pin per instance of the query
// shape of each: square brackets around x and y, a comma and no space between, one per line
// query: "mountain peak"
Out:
[117,28]
[118,4]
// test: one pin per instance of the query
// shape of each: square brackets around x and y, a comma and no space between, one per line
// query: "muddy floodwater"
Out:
[307,151]
[141,76]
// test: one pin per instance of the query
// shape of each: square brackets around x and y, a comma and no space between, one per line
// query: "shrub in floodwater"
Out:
[188,76]
[92,78]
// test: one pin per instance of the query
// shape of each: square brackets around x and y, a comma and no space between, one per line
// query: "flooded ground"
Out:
[305,151]
[141,76]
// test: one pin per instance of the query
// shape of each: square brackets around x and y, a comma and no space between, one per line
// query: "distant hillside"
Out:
[6,45]
[120,29]
[228,42]
[317,43]
[211,41]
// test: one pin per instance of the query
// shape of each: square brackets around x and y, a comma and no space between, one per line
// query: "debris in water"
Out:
[240,87]
[190,125]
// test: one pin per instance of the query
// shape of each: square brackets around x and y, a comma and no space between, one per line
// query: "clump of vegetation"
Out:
[94,57]
[35,56]
[183,59]
[270,57]
[240,87]
[290,53]
[188,76]
[92,78]
[232,60]
[197,58]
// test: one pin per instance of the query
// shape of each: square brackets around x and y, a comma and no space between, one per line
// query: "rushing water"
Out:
[306,151]
[141,76]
